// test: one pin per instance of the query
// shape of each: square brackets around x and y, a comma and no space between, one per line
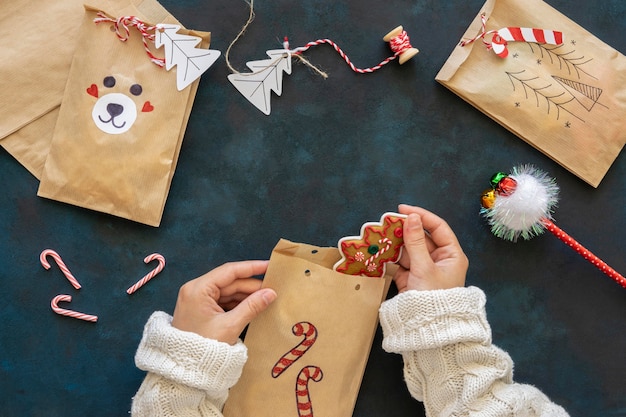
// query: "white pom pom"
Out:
[521,213]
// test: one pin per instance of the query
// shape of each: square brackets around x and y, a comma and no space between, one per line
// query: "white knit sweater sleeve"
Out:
[188,375]
[450,363]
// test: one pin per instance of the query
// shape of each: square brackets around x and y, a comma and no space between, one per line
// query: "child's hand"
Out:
[430,260]
[201,302]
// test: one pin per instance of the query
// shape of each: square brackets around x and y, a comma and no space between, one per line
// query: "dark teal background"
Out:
[333,154]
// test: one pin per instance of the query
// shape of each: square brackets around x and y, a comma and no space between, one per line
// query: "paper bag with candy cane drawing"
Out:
[122,118]
[308,351]
[547,80]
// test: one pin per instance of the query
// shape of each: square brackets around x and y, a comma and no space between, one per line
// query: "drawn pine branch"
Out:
[540,90]
[564,59]
[266,76]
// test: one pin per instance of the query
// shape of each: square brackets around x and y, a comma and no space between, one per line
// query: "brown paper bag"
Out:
[331,317]
[567,101]
[34,68]
[33,77]
[122,165]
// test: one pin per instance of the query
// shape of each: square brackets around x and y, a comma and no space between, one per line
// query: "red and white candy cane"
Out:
[44,262]
[70,313]
[371,260]
[584,252]
[151,274]
[146,31]
[501,37]
[303,397]
[303,328]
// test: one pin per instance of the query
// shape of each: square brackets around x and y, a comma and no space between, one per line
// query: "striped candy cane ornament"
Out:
[303,328]
[501,37]
[303,397]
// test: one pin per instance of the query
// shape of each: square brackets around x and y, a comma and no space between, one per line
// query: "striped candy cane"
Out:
[69,313]
[44,262]
[501,37]
[382,250]
[303,328]
[303,397]
[517,34]
[151,274]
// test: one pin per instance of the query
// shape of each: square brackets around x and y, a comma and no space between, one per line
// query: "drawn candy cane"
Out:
[303,397]
[303,328]
[69,313]
[151,274]
[44,262]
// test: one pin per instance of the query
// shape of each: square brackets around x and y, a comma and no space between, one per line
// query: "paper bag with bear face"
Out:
[547,80]
[120,126]
[307,352]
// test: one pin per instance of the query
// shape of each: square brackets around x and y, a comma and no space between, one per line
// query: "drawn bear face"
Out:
[116,112]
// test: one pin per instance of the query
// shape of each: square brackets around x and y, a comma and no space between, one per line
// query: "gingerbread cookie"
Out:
[379,243]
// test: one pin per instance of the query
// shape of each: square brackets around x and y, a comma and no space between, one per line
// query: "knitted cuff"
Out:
[188,358]
[416,320]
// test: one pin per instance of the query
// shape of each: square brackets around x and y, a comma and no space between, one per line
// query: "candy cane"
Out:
[514,34]
[303,328]
[303,398]
[380,251]
[517,34]
[60,263]
[70,313]
[151,274]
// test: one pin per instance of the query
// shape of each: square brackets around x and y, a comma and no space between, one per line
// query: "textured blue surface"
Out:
[333,154]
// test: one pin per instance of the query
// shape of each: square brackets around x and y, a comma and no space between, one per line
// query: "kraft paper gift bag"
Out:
[121,122]
[33,75]
[309,350]
[566,99]
[39,44]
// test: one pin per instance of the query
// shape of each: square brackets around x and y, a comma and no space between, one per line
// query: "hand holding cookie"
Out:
[432,258]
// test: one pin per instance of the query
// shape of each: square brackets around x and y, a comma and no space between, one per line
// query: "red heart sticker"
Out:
[147,107]
[93,90]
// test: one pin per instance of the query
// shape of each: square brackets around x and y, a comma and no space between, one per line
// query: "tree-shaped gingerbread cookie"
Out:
[379,243]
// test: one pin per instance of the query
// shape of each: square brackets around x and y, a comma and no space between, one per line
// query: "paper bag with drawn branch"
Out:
[308,351]
[567,98]
[122,118]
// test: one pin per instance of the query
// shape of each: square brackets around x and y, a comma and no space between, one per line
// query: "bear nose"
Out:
[115,109]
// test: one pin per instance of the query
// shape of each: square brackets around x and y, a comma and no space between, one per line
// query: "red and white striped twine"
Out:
[398,44]
[70,313]
[146,31]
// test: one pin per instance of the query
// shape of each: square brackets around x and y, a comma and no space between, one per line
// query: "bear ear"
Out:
[93,90]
